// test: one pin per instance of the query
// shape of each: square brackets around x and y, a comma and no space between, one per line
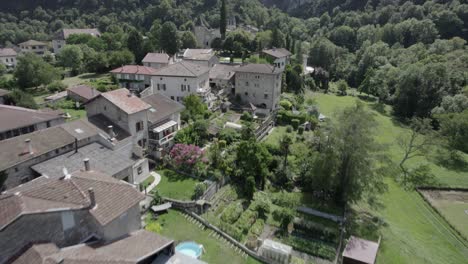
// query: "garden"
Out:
[175,185]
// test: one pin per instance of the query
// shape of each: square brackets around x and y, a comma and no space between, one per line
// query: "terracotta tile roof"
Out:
[85,91]
[183,69]
[7,52]
[113,197]
[258,68]
[32,43]
[134,248]
[161,107]
[124,100]
[364,251]
[135,69]
[13,117]
[156,58]
[278,52]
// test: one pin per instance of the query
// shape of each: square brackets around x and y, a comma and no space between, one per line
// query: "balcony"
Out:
[163,134]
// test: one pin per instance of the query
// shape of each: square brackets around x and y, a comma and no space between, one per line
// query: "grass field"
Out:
[175,226]
[453,205]
[176,186]
[413,232]
[83,78]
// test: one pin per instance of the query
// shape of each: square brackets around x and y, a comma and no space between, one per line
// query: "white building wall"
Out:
[174,85]
[8,60]
[259,89]
[124,224]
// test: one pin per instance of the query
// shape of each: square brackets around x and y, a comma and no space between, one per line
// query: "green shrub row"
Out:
[246,221]
[318,231]
[232,212]
[312,247]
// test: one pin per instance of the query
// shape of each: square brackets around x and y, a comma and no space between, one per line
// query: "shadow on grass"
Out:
[173,176]
[364,224]
[451,160]
[380,108]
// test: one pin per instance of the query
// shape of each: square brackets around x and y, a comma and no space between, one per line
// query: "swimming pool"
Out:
[191,249]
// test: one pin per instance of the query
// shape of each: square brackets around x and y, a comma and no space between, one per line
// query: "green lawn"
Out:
[176,186]
[84,78]
[413,232]
[175,226]
[74,113]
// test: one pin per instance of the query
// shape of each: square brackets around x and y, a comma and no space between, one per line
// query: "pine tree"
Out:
[222,22]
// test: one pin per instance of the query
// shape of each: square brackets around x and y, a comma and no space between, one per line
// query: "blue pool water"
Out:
[191,249]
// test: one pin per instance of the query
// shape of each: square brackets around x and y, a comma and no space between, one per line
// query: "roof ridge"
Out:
[185,66]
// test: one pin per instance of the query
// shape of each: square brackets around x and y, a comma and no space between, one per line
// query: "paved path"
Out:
[157,179]
[311,211]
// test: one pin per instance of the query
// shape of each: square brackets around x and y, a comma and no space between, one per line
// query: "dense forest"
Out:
[409,54]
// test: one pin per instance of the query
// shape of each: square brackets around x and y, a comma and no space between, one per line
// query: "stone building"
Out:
[15,121]
[181,79]
[260,85]
[280,57]
[136,78]
[82,93]
[203,57]
[61,37]
[157,60]
[222,78]
[8,57]
[34,46]
[205,36]
[163,123]
[84,206]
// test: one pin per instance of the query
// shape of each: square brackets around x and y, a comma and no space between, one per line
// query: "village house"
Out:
[259,85]
[222,78]
[360,251]
[181,79]
[84,206]
[157,60]
[136,78]
[82,93]
[204,57]
[8,57]
[163,123]
[60,39]
[15,121]
[34,46]
[280,57]
[205,36]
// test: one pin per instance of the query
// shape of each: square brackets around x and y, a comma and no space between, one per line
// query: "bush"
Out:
[311,247]
[64,104]
[301,130]
[200,189]
[222,144]
[22,99]
[246,116]
[289,129]
[295,123]
[257,228]
[287,105]
[246,221]
[229,135]
[56,86]
[232,212]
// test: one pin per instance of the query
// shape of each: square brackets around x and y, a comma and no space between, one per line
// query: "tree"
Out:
[451,104]
[415,142]
[285,148]
[71,56]
[33,71]
[454,128]
[194,108]
[277,38]
[186,156]
[342,86]
[448,24]
[154,34]
[353,138]
[200,189]
[223,19]
[22,99]
[169,40]
[135,45]
[120,58]
[286,216]
[189,41]
[344,36]
[252,160]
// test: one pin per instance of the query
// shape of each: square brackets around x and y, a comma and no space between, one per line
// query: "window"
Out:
[68,221]
[172,97]
[246,83]
[246,94]
[139,126]
[139,170]
[158,87]
[48,123]
[265,96]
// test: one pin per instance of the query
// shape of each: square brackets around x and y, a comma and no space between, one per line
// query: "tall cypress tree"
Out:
[222,22]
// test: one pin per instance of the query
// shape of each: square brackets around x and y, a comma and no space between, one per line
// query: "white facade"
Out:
[281,63]
[260,89]
[8,61]
[155,65]
[178,87]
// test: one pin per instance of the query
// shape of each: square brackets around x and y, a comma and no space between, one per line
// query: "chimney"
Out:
[92,198]
[29,149]
[110,130]
[86,164]
[76,145]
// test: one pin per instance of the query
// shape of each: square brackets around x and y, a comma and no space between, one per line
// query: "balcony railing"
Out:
[166,139]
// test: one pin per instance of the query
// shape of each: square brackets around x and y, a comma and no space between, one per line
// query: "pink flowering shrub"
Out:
[185,157]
